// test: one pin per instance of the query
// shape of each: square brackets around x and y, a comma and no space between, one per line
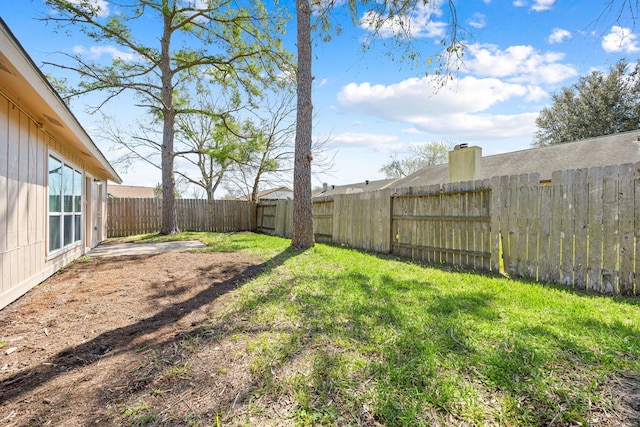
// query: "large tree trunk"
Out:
[302,207]
[169,223]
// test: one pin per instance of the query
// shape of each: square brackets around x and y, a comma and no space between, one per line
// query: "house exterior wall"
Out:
[25,260]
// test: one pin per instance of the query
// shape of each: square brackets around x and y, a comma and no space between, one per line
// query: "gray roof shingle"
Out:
[607,150]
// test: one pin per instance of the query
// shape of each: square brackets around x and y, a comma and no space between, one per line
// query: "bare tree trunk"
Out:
[169,223]
[254,190]
[302,207]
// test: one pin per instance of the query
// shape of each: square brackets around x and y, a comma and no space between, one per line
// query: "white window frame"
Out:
[70,207]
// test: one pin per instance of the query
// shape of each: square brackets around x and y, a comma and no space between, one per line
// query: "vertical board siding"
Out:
[22,198]
[4,187]
[13,141]
[24,259]
[127,217]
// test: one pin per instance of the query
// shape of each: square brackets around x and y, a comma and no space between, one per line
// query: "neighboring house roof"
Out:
[276,193]
[21,79]
[606,150]
[130,192]
[616,149]
[332,190]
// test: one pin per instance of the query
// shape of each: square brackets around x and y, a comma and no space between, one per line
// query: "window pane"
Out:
[77,192]
[67,188]
[55,184]
[77,204]
[54,233]
[78,222]
[68,229]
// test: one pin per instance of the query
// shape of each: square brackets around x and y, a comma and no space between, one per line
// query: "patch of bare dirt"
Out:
[109,340]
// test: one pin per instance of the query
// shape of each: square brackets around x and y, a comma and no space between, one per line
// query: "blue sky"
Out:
[519,52]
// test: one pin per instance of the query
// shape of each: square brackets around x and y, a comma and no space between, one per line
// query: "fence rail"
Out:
[126,217]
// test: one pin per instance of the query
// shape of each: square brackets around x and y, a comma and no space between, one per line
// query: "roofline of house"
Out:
[565,144]
[52,98]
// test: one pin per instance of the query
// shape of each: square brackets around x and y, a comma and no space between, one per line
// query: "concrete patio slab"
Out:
[147,248]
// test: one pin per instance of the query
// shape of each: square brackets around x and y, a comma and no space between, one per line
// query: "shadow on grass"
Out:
[419,352]
[378,349]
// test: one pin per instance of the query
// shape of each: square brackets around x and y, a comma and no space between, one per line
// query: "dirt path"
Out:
[101,340]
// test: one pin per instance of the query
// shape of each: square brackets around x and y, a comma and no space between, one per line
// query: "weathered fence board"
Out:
[361,220]
[636,181]
[556,229]
[581,230]
[266,218]
[594,231]
[626,192]
[448,224]
[581,236]
[609,230]
[126,217]
[323,220]
[544,237]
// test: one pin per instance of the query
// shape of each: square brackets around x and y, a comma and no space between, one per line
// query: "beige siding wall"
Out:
[24,148]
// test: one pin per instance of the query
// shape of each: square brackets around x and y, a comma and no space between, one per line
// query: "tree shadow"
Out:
[120,340]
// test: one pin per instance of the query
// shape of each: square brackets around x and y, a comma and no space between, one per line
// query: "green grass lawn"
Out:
[353,338]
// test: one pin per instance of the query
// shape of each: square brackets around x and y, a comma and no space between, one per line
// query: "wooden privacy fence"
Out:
[581,230]
[126,217]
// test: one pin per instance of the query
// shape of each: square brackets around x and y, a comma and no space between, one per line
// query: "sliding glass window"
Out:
[65,204]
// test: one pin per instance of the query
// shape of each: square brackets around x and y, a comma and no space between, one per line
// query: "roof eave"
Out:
[29,86]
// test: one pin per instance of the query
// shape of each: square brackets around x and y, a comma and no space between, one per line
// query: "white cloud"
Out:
[481,126]
[96,52]
[542,5]
[378,142]
[519,3]
[558,36]
[419,24]
[620,39]
[412,131]
[99,7]
[458,109]
[535,94]
[518,64]
[477,20]
[417,97]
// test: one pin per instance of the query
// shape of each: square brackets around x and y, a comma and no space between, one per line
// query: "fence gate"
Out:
[323,221]
[444,224]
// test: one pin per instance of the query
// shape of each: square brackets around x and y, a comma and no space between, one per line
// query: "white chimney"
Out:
[465,163]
